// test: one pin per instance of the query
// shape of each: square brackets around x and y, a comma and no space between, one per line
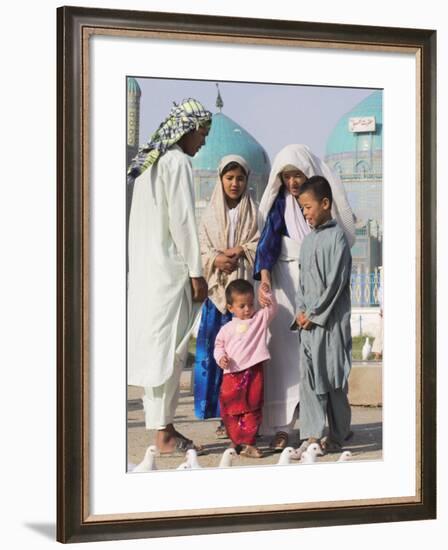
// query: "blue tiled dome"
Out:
[341,140]
[133,87]
[226,137]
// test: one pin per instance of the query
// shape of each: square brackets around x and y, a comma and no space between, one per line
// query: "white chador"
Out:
[282,375]
[163,254]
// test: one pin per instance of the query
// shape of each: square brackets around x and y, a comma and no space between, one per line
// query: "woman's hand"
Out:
[224,362]
[236,251]
[264,290]
[265,287]
[225,263]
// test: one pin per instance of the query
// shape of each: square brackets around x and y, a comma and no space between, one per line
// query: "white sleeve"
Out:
[178,181]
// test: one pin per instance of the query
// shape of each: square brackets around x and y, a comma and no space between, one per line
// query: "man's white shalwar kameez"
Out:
[163,254]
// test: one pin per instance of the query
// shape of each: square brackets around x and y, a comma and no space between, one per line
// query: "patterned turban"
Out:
[189,115]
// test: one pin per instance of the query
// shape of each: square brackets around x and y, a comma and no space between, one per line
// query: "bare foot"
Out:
[166,440]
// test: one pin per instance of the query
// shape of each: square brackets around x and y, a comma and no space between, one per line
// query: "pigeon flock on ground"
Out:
[303,455]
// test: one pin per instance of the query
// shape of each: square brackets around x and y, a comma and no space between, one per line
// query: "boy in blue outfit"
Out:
[323,310]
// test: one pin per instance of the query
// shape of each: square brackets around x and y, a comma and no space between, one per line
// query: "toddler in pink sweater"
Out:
[240,350]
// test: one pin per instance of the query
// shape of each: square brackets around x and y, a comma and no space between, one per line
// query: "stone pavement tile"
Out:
[366,443]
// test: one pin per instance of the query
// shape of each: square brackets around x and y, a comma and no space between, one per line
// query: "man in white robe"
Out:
[165,271]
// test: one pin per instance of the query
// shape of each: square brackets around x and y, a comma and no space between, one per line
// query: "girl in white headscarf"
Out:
[277,264]
[228,237]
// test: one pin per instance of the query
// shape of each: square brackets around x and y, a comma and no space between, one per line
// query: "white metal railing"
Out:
[365,287]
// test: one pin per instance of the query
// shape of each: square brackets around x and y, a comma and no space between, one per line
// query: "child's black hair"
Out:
[319,187]
[238,286]
[233,165]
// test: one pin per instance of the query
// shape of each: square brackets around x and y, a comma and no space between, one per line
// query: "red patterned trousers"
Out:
[241,400]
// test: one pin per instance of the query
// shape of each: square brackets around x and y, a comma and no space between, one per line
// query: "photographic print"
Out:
[272,130]
[246,274]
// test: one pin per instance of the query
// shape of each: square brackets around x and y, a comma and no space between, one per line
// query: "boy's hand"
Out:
[303,321]
[300,319]
[264,291]
[224,362]
[308,325]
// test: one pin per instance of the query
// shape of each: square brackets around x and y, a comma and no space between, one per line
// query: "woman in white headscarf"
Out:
[228,237]
[277,264]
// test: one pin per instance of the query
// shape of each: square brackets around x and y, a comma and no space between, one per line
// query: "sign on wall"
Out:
[361,124]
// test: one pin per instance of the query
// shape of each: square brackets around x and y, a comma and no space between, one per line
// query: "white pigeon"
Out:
[315,450]
[310,455]
[306,458]
[148,463]
[345,456]
[192,459]
[303,447]
[227,457]
[287,454]
[184,466]
[366,349]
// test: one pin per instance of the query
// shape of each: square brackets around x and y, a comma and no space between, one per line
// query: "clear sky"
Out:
[275,114]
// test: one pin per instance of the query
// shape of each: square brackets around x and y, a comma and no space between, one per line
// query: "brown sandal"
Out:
[181,446]
[221,432]
[182,443]
[279,442]
[251,452]
[330,446]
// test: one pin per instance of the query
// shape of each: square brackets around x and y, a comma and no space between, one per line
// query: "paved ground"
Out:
[365,445]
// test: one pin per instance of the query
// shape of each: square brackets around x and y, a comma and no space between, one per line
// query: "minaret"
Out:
[133,112]
[219,101]
[132,141]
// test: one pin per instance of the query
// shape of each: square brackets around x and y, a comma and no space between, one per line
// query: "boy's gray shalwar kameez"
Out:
[325,350]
